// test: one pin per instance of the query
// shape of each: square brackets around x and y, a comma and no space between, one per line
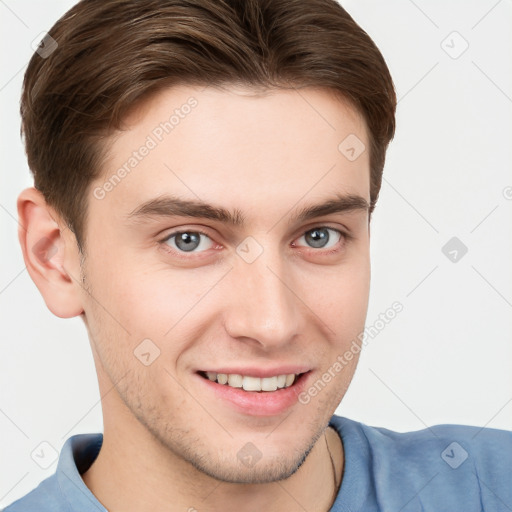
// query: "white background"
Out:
[446,358]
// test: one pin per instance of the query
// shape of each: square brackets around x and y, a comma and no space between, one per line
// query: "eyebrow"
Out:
[171,206]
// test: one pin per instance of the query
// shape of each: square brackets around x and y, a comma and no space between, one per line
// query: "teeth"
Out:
[235,381]
[281,381]
[253,383]
[269,384]
[289,380]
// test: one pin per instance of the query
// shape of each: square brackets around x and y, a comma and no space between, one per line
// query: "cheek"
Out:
[170,308]
[158,301]
[136,295]
[340,296]
[354,293]
[140,301]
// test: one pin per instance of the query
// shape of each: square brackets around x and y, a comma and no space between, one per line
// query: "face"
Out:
[234,247]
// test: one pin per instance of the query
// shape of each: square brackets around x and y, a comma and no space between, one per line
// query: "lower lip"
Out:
[265,403]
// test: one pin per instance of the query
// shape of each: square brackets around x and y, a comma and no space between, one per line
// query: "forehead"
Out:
[238,147]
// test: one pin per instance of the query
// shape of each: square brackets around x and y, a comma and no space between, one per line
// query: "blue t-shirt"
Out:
[445,468]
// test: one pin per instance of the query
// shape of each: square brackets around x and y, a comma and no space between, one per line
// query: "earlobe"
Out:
[50,253]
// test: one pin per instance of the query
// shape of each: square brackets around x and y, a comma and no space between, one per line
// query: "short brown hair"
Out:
[112,54]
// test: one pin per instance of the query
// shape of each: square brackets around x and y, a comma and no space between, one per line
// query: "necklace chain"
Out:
[335,484]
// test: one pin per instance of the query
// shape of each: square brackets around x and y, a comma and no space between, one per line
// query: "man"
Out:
[205,174]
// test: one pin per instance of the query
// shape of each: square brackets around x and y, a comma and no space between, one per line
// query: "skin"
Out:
[168,442]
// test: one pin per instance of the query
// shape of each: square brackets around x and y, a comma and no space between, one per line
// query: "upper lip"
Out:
[253,371]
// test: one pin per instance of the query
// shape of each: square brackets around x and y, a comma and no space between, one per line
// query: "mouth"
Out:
[253,384]
[255,391]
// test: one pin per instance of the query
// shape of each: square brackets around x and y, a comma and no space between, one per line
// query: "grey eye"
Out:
[188,241]
[321,238]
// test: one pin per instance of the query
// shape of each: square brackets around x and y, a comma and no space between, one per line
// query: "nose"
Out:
[264,307]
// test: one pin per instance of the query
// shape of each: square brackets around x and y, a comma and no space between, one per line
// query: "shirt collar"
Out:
[76,456]
[80,451]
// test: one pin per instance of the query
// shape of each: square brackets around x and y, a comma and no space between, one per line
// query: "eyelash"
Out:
[346,237]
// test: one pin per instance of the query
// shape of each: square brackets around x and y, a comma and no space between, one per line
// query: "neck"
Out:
[137,476]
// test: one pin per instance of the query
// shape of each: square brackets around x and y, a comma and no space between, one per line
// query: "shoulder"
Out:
[443,463]
[46,497]
[479,443]
[65,487]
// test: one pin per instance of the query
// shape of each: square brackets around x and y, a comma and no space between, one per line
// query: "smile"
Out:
[249,383]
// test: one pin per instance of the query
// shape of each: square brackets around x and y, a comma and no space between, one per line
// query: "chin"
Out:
[243,462]
[262,471]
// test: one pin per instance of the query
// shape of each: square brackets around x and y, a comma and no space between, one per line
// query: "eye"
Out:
[322,237]
[188,241]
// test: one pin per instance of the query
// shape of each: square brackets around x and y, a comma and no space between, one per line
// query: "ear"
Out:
[51,254]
